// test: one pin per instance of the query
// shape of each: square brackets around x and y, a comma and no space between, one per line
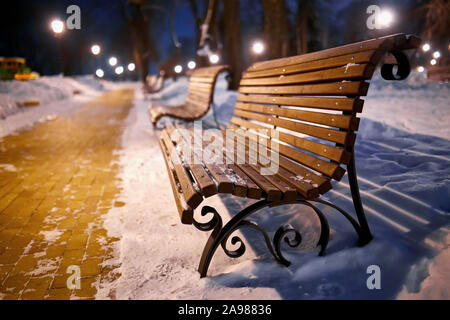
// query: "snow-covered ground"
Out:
[403,162]
[56,95]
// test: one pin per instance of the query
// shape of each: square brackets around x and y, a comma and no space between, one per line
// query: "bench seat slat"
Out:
[185,212]
[221,173]
[229,177]
[322,182]
[289,193]
[223,182]
[272,192]
[183,112]
[193,198]
[233,179]
[253,191]
[205,183]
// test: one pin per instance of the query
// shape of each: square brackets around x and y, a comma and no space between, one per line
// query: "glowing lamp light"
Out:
[436,54]
[433,62]
[112,61]
[95,49]
[131,66]
[119,70]
[426,47]
[99,73]
[214,58]
[420,69]
[386,18]
[191,65]
[258,47]
[178,69]
[57,26]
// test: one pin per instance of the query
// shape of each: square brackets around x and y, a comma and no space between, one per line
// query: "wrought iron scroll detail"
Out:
[403,67]
[221,235]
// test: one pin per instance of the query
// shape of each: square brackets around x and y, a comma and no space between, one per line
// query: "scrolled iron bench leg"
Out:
[220,235]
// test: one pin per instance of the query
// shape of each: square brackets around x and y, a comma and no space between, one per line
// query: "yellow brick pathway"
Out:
[57,180]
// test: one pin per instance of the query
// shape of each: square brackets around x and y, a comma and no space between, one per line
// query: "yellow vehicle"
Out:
[26,76]
[15,68]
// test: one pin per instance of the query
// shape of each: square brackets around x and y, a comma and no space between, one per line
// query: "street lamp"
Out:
[433,62]
[112,61]
[119,70]
[131,66]
[426,47]
[57,26]
[99,73]
[436,54]
[420,69]
[178,69]
[258,47]
[214,58]
[191,65]
[95,49]
[386,17]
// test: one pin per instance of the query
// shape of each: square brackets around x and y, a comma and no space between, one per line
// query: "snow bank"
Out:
[403,155]
[50,92]
[414,105]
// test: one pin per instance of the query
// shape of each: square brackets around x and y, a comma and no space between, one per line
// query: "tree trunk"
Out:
[233,42]
[198,20]
[302,27]
[208,35]
[142,51]
[276,28]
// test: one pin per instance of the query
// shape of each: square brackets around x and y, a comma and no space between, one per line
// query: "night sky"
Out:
[25,30]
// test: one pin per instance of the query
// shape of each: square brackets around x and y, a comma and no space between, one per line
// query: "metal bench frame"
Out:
[220,234]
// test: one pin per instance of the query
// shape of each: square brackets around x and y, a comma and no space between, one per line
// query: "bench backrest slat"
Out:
[340,104]
[356,58]
[349,72]
[351,88]
[374,44]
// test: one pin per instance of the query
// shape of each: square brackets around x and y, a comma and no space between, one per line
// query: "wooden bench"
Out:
[311,101]
[200,96]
